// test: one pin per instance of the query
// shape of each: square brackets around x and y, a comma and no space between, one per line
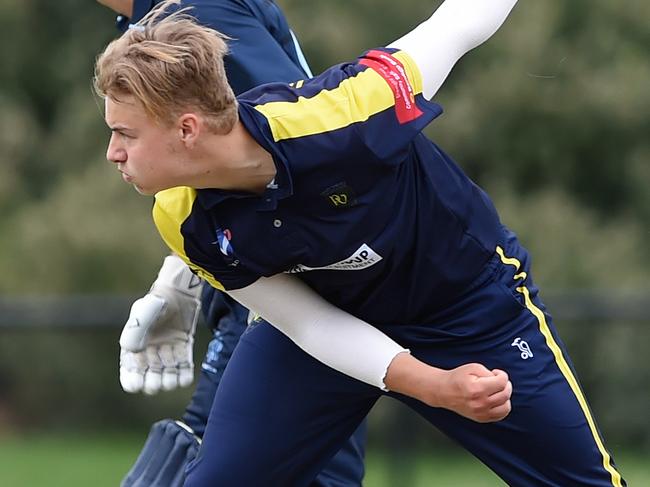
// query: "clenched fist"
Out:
[477,393]
[471,390]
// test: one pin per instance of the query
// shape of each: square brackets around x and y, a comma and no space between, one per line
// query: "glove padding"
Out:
[157,340]
[170,446]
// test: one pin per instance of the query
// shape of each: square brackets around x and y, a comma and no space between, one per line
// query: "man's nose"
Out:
[115,153]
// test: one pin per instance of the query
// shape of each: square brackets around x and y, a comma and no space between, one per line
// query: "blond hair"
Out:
[170,64]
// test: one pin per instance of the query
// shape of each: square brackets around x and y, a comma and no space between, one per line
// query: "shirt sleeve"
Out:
[372,107]
[387,95]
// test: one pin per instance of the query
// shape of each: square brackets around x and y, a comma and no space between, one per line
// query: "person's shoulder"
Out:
[175,202]
[170,210]
[268,92]
[307,88]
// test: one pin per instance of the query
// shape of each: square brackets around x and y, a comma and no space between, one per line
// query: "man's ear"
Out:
[189,127]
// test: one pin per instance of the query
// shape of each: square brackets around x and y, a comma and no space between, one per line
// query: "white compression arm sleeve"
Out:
[454,29]
[325,332]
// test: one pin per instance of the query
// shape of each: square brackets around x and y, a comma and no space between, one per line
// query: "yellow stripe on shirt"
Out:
[355,99]
[171,209]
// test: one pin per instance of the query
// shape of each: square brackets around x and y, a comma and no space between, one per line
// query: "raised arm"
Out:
[454,29]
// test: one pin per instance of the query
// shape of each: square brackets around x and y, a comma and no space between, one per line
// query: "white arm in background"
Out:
[454,29]
[325,332]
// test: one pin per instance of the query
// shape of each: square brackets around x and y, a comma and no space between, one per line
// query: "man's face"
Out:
[147,153]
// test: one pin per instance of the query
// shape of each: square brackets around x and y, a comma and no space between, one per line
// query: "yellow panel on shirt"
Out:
[171,209]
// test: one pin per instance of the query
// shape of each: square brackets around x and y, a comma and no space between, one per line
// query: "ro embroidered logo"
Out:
[523,347]
[340,195]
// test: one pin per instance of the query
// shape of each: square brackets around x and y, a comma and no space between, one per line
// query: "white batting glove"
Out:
[157,340]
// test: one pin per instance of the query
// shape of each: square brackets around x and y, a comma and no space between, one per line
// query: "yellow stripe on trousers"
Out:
[564,368]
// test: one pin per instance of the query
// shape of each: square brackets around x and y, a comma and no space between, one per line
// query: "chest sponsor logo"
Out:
[363,258]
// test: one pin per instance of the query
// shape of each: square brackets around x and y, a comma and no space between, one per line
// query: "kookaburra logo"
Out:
[523,347]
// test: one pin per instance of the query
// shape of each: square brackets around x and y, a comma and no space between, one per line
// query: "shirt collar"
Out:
[281,187]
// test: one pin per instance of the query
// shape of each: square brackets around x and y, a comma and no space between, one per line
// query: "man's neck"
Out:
[234,161]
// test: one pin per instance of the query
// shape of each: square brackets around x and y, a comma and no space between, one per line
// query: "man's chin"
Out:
[144,191]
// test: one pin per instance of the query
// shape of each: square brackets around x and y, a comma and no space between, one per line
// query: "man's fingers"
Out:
[498,404]
[500,412]
[499,373]
[476,369]
[492,384]
[482,395]
[499,398]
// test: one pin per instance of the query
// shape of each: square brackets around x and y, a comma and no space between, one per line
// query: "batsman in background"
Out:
[158,337]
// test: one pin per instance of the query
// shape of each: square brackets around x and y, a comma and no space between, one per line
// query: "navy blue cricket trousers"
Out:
[280,415]
[228,320]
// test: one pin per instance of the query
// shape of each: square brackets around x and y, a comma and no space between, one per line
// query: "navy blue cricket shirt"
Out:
[364,208]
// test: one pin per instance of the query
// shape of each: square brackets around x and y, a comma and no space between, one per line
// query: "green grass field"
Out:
[101,460]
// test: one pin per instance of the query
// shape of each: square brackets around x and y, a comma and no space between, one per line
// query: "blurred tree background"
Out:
[552,116]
